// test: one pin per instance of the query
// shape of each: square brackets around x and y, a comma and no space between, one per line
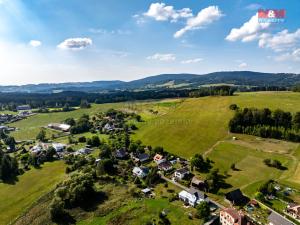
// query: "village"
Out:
[238,208]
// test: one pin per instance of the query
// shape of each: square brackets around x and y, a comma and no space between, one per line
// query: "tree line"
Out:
[265,123]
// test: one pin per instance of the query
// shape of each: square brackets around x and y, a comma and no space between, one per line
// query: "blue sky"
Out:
[71,40]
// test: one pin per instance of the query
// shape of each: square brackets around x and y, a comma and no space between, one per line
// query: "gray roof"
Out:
[277,219]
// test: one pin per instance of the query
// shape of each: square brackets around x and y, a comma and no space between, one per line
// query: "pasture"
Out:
[16,198]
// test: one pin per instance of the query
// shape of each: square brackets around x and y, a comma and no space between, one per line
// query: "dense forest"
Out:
[265,123]
[71,99]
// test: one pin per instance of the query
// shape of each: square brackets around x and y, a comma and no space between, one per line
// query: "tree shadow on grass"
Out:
[93,201]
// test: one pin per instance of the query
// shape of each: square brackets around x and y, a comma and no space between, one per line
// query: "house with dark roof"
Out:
[198,183]
[236,197]
[165,166]
[231,216]
[277,219]
[143,157]
[121,153]
[181,173]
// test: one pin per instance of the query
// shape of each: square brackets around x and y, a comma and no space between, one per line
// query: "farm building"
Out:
[59,126]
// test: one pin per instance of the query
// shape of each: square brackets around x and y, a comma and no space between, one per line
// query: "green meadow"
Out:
[16,198]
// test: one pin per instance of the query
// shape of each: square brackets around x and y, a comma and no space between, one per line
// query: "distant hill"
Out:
[245,78]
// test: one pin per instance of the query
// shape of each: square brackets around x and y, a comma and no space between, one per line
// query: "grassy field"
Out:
[31,185]
[251,171]
[195,125]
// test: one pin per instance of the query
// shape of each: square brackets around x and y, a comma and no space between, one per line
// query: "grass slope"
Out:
[31,185]
[197,124]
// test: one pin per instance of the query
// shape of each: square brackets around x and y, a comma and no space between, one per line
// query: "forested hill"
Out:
[248,78]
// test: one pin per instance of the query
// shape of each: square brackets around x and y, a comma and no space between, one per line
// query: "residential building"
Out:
[59,147]
[192,197]
[158,159]
[181,173]
[165,166]
[121,153]
[140,172]
[143,157]
[23,107]
[231,216]
[198,183]
[294,210]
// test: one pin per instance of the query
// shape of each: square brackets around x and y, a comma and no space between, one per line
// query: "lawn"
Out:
[16,198]
[251,171]
[143,211]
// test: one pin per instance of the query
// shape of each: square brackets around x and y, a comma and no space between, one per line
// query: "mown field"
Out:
[195,125]
[16,198]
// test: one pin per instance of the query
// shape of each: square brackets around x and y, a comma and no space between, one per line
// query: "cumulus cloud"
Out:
[290,56]
[189,61]
[281,41]
[162,57]
[249,31]
[75,43]
[163,12]
[243,65]
[35,43]
[204,17]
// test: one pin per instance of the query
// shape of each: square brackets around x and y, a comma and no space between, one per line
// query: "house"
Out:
[23,107]
[121,153]
[231,216]
[165,166]
[294,210]
[59,126]
[181,173]
[146,191]
[143,157]
[59,147]
[197,183]
[192,197]
[277,219]
[83,151]
[140,172]
[254,203]
[158,159]
[236,197]
[108,127]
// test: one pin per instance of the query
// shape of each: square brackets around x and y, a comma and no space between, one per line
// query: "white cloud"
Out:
[249,31]
[292,56]
[243,65]
[35,43]
[162,57]
[253,6]
[203,18]
[163,12]
[109,32]
[281,41]
[189,61]
[75,43]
